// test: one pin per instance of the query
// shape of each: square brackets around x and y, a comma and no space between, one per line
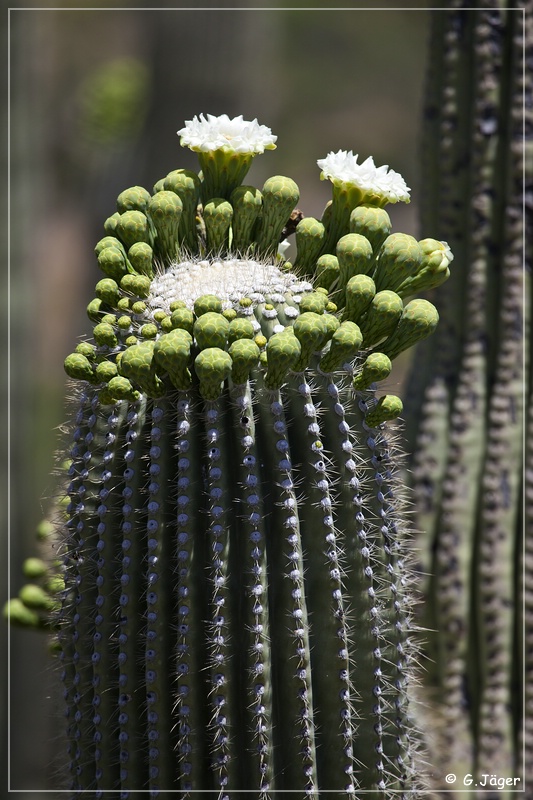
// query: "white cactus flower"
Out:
[222,133]
[379,182]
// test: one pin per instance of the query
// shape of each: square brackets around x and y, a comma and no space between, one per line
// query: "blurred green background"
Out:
[96,99]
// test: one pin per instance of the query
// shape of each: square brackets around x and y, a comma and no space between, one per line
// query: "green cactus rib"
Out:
[291,659]
[222,691]
[104,664]
[330,667]
[77,710]
[161,766]
[132,590]
[257,617]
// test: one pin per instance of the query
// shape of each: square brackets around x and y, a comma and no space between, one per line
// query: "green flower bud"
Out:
[388,407]
[149,331]
[108,241]
[207,302]
[355,257]
[183,318]
[244,356]
[186,185]
[381,317]
[360,291]
[309,329]
[138,308]
[104,335]
[20,615]
[345,343]
[112,262]
[140,256]
[436,257]
[36,598]
[44,530]
[217,215]
[172,353]
[105,397]
[124,304]
[229,314]
[373,223]
[331,324]
[110,225]
[124,323]
[282,351]
[137,285]
[280,196]
[418,320]
[34,568]
[121,388]
[138,364]
[211,330]
[110,319]
[240,328]
[105,371]
[327,271]
[399,260]
[134,199]
[314,301]
[164,210]
[166,324]
[376,368]
[78,367]
[86,349]
[95,310]
[108,291]
[246,202]
[310,235]
[212,366]
[55,584]
[133,227]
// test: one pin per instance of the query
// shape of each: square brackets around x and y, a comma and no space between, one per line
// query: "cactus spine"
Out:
[468,455]
[236,610]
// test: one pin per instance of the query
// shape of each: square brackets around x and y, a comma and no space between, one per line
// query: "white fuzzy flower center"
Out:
[229,279]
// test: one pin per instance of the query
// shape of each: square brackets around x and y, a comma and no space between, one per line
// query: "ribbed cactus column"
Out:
[468,452]
[234,606]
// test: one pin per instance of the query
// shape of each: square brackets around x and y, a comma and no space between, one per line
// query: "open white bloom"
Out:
[342,167]
[222,133]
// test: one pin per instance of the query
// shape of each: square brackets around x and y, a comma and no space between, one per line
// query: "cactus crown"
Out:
[205,243]
[235,602]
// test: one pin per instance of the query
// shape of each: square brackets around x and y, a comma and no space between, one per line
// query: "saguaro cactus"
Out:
[236,610]
[468,456]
